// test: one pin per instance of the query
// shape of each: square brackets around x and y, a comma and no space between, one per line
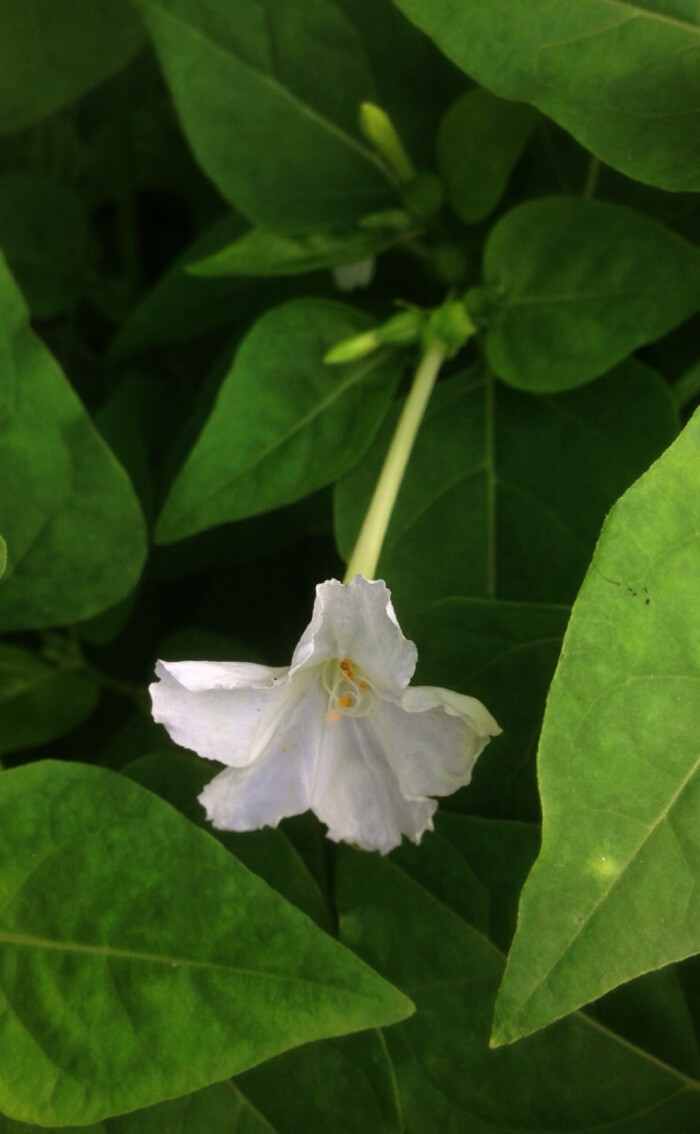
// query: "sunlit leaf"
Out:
[615,891]
[140,960]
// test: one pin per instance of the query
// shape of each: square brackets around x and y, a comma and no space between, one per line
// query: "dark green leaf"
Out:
[577,285]
[3,557]
[505,493]
[614,893]
[140,960]
[622,75]
[284,424]
[480,140]
[344,1085]
[268,96]
[181,306]
[264,253]
[53,51]
[178,777]
[43,235]
[74,530]
[433,919]
[505,654]
[38,699]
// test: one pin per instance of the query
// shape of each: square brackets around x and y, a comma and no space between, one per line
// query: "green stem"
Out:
[367,550]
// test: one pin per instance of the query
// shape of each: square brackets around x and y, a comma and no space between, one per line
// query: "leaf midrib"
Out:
[268,80]
[301,423]
[643,13]
[110,951]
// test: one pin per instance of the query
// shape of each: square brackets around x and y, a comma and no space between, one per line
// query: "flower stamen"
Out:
[349,694]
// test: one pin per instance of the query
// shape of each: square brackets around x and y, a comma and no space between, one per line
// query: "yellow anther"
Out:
[346,701]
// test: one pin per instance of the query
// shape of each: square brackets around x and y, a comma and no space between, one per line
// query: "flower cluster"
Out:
[339,731]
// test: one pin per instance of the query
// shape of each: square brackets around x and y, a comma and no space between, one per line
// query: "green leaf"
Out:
[53,51]
[179,777]
[264,253]
[140,960]
[220,1109]
[74,530]
[576,285]
[614,893]
[504,653]
[494,470]
[268,97]
[344,1085]
[479,142]
[621,75]
[43,235]
[434,920]
[3,557]
[284,424]
[40,700]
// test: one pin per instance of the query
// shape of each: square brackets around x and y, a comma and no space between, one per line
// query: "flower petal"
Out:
[220,710]
[280,780]
[357,620]
[433,738]
[357,794]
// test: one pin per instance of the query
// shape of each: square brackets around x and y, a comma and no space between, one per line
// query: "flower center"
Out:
[350,694]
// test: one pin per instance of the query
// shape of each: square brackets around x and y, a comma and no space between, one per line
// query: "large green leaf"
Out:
[219,1109]
[284,424]
[574,286]
[268,95]
[505,493]
[74,529]
[40,699]
[622,75]
[53,51]
[434,920]
[140,960]
[179,777]
[479,141]
[615,891]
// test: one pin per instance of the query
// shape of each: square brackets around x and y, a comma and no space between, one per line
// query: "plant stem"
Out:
[367,550]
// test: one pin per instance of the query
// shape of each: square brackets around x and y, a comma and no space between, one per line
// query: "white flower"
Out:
[339,731]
